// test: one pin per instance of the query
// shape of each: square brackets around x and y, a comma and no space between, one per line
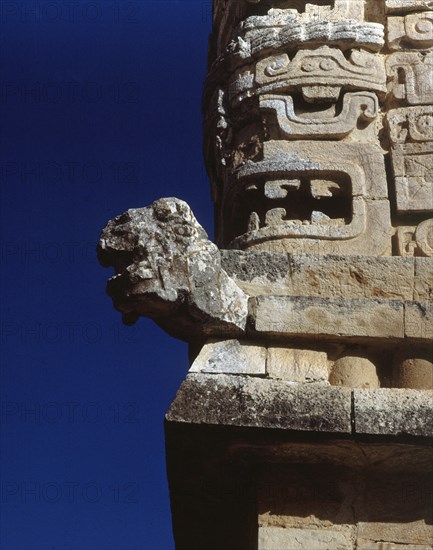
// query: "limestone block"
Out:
[326,206]
[408,5]
[423,285]
[410,533]
[412,165]
[351,276]
[416,241]
[411,31]
[263,273]
[410,124]
[418,320]
[364,544]
[167,269]
[413,372]
[297,365]
[320,74]
[223,399]
[393,411]
[231,357]
[354,372]
[276,538]
[357,106]
[410,77]
[328,317]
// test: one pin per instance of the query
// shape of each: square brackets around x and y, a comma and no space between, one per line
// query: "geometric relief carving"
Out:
[302,195]
[410,124]
[408,5]
[416,241]
[338,33]
[412,31]
[356,106]
[413,174]
[321,73]
[411,75]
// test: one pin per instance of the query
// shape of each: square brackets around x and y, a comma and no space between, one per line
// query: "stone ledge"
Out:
[243,401]
[330,317]
[329,275]
[388,411]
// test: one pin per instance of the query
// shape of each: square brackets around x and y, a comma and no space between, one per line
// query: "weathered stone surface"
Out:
[411,31]
[413,372]
[408,5]
[412,165]
[231,357]
[356,106]
[344,205]
[393,411]
[410,124]
[354,372]
[363,544]
[260,273]
[418,320]
[297,365]
[415,532]
[423,286]
[320,74]
[410,74]
[233,400]
[328,317]
[167,269]
[276,538]
[417,241]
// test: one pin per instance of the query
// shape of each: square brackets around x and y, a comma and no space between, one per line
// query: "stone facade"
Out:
[310,323]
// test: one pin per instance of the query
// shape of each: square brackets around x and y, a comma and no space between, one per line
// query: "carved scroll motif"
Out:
[411,77]
[320,74]
[356,106]
[410,124]
[416,241]
[412,31]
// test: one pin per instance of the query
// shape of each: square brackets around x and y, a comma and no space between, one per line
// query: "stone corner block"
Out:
[230,357]
[390,411]
[245,401]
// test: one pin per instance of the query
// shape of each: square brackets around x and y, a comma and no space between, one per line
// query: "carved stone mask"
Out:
[149,250]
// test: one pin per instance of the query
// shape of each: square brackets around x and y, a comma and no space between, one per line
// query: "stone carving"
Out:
[408,5]
[342,9]
[412,165]
[411,77]
[410,124]
[416,241]
[320,74]
[411,31]
[356,106]
[298,199]
[167,269]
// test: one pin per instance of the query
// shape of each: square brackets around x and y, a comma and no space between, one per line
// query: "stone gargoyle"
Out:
[168,269]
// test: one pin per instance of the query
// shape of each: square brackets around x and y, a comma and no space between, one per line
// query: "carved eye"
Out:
[424,124]
[327,64]
[309,66]
[424,26]
[184,230]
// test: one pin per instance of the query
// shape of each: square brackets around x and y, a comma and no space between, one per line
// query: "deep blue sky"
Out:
[100,112]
